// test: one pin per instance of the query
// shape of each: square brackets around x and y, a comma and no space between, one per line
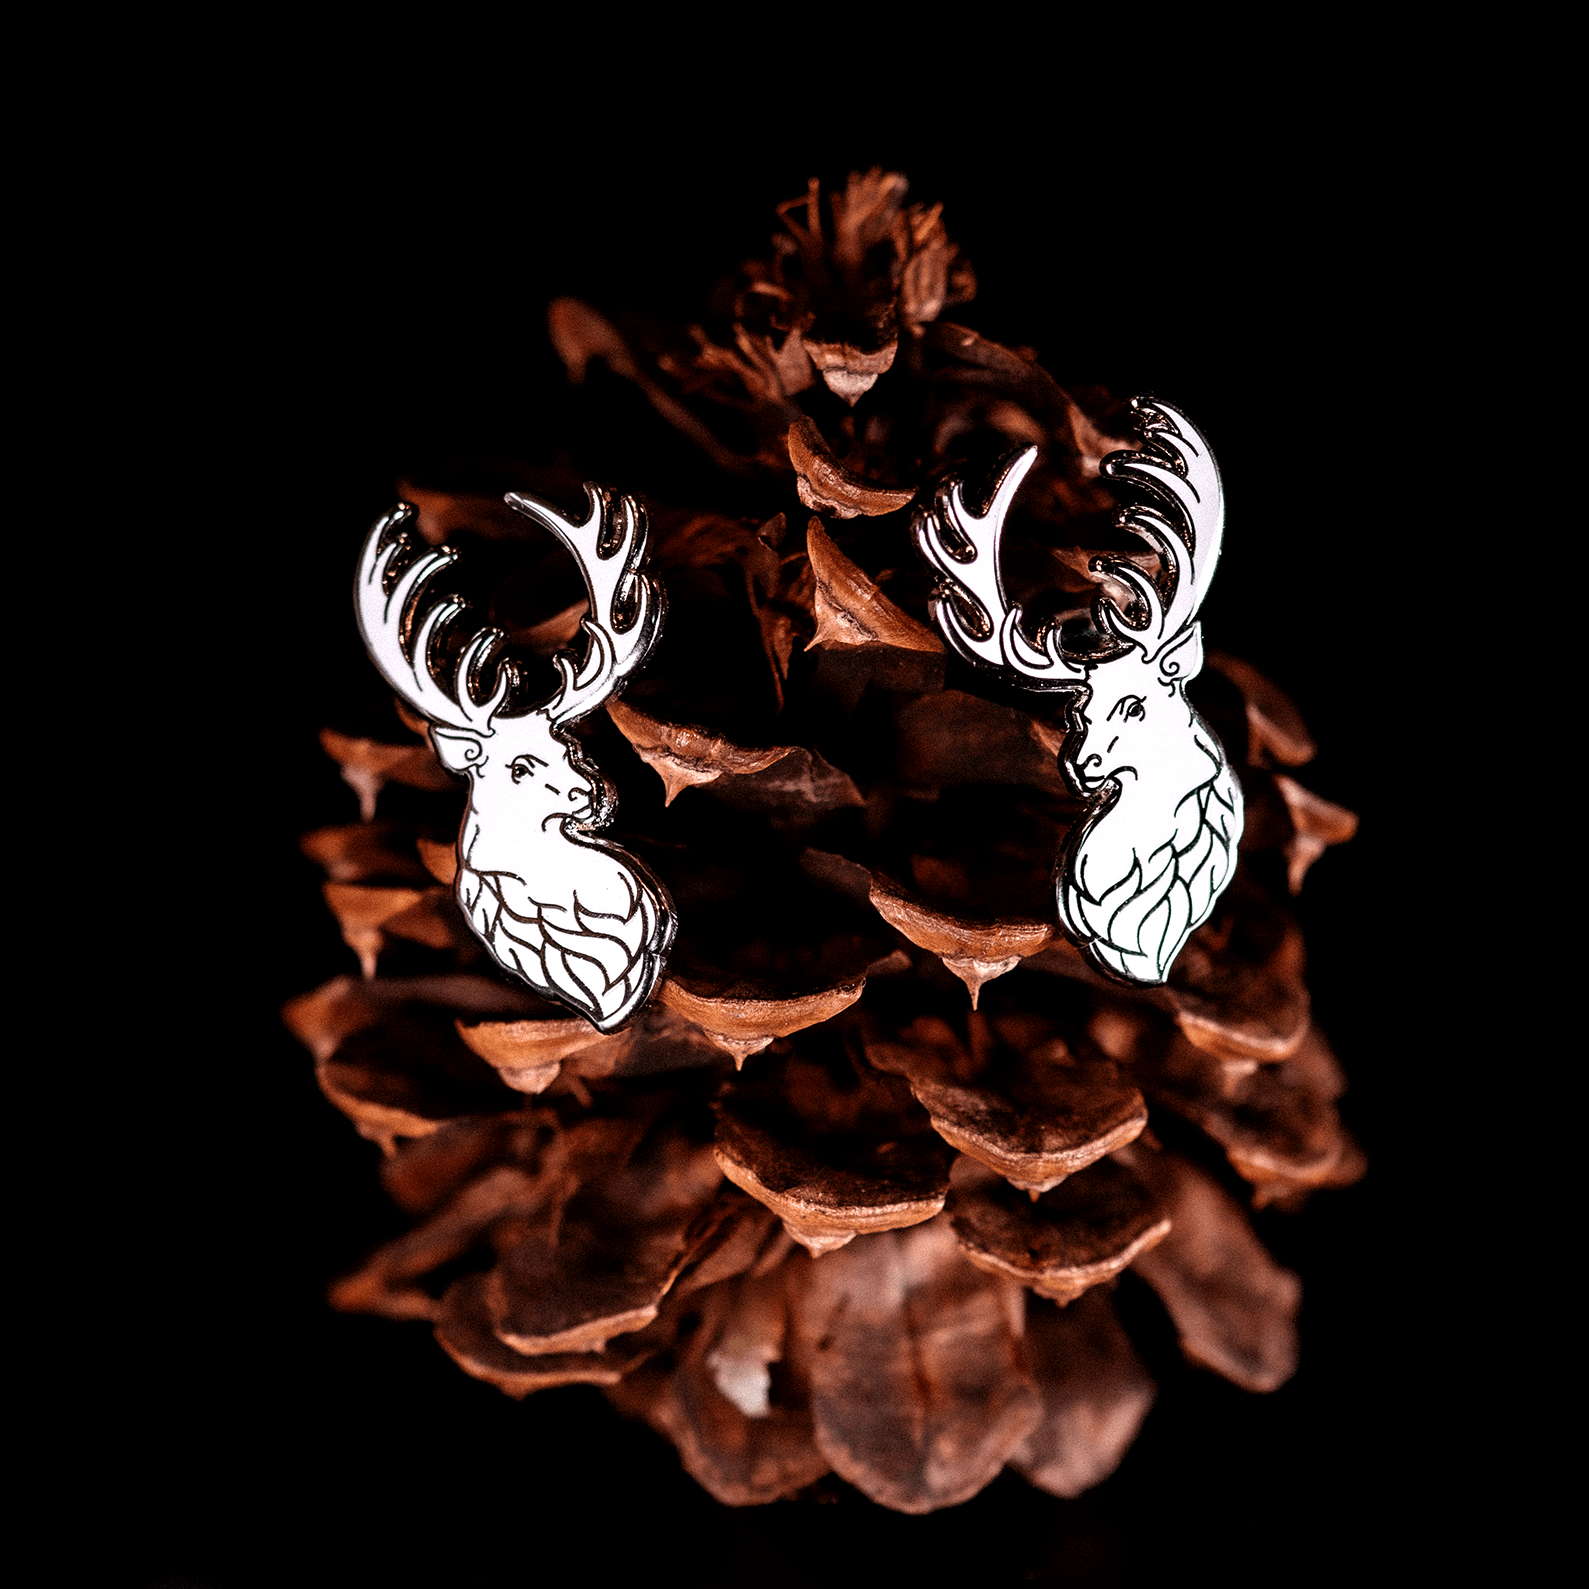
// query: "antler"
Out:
[610,565]
[978,594]
[1178,467]
[385,620]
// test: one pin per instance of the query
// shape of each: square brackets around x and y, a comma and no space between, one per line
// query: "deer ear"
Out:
[1182,660]
[457,752]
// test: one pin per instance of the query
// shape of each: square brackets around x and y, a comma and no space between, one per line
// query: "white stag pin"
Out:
[577,918]
[1158,842]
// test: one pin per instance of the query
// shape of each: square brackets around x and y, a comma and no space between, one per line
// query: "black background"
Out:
[346,312]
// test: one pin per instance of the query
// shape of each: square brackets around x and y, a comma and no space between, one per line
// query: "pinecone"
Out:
[853,1192]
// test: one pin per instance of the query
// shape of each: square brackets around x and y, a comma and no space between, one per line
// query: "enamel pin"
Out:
[1144,866]
[574,916]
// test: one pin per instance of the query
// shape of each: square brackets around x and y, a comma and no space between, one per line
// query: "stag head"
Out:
[1144,867]
[573,915]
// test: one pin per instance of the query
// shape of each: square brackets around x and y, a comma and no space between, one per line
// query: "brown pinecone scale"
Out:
[853,1192]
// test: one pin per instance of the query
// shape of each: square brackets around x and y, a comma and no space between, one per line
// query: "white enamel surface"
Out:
[1148,865]
[574,916]
[1149,860]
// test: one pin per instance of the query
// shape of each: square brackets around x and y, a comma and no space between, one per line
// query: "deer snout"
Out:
[567,794]
[571,799]
[1087,758]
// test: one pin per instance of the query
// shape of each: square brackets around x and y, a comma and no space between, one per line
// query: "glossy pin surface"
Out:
[1157,845]
[561,908]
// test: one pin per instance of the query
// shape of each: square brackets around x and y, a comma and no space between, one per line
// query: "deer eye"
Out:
[1134,710]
